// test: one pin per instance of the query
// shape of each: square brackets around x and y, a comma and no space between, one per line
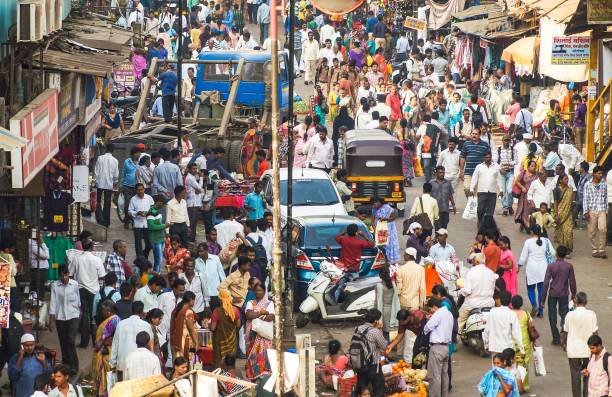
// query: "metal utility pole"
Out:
[276,221]
[179,79]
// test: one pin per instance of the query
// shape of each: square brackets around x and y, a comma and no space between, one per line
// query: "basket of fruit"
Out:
[301,107]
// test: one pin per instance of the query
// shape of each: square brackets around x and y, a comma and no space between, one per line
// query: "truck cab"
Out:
[252,91]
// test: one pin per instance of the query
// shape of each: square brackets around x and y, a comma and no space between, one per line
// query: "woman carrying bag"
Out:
[259,310]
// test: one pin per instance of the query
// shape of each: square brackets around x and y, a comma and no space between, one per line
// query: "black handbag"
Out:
[422,219]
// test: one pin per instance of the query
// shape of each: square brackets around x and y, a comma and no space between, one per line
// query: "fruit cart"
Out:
[233,194]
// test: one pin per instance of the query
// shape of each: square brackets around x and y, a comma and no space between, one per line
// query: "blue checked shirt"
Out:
[113,264]
[595,197]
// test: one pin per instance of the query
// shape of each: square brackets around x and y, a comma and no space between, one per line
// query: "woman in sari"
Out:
[154,317]
[319,101]
[183,336]
[408,151]
[508,265]
[524,208]
[564,209]
[455,109]
[250,145]
[384,212]
[498,382]
[175,254]
[357,55]
[524,319]
[102,349]
[257,345]
[224,322]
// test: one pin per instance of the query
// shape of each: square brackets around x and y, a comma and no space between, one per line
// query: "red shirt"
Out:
[350,254]
[263,167]
[492,253]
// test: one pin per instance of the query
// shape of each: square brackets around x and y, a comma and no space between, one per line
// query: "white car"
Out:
[314,193]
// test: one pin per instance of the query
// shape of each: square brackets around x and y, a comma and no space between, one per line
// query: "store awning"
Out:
[522,51]
[89,63]
[9,141]
[477,11]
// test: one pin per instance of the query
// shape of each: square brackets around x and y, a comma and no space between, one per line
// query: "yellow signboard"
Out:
[599,12]
[414,23]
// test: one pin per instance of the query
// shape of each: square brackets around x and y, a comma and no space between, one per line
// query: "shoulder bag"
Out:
[422,219]
[516,189]
[531,329]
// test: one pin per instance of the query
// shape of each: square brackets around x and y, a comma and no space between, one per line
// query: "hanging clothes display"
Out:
[55,209]
[440,14]
[57,245]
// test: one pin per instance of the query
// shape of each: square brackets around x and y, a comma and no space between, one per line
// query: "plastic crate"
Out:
[346,386]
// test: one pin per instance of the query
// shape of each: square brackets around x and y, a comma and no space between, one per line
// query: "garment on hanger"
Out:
[57,245]
[55,204]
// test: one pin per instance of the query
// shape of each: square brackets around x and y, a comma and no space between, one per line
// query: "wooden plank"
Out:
[143,96]
[230,99]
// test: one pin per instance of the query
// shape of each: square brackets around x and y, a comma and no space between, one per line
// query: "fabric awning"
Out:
[522,51]
[9,141]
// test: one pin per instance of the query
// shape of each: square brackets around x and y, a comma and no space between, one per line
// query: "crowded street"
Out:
[371,198]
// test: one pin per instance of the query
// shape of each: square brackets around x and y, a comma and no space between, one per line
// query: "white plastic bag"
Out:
[381,235]
[538,361]
[111,379]
[265,329]
[470,211]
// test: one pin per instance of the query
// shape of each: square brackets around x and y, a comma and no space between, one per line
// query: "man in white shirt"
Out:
[326,53]
[440,65]
[381,107]
[321,152]
[478,288]
[148,294]
[39,264]
[177,217]
[365,90]
[106,175]
[138,209]
[246,42]
[64,311]
[524,119]
[87,269]
[210,269]
[521,149]
[502,329]
[486,184]
[167,302]
[310,55]
[426,204]
[124,340]
[540,192]
[227,230]
[142,362]
[401,47]
[580,324]
[449,159]
[327,31]
[193,283]
[570,156]
[193,186]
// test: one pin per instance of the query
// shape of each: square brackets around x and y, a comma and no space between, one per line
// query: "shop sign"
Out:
[69,97]
[5,292]
[38,123]
[571,50]
[599,12]
[93,97]
[414,23]
[124,76]
[80,183]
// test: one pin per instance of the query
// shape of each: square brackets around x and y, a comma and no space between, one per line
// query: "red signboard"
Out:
[38,123]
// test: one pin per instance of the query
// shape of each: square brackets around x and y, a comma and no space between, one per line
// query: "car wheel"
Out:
[316,317]
[301,320]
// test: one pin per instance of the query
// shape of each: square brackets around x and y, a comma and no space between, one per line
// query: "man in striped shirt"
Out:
[472,154]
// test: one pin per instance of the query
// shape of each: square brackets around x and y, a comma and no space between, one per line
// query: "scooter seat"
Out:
[361,283]
[480,310]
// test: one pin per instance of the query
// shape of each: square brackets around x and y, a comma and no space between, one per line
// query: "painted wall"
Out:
[8,15]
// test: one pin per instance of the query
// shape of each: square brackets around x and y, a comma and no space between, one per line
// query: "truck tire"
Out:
[233,156]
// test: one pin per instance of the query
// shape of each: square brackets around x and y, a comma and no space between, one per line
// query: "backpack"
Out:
[261,257]
[360,353]
[427,144]
[103,297]
[606,356]
[477,118]
[499,154]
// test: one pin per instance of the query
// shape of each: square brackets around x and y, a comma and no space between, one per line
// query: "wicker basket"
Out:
[140,386]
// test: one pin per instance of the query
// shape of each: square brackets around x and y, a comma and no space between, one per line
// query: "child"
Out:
[41,386]
[510,356]
[365,216]
[543,218]
[144,270]
[262,163]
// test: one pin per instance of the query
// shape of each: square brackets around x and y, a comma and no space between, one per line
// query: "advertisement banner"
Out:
[80,183]
[124,77]
[93,97]
[414,23]
[599,12]
[38,123]
[571,50]
[5,292]
[69,97]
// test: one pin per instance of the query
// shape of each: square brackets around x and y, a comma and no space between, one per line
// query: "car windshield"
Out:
[308,192]
[324,235]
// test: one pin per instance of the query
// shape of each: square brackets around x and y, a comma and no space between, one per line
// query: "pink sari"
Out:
[510,276]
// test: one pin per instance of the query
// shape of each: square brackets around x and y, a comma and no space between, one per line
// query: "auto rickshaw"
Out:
[373,161]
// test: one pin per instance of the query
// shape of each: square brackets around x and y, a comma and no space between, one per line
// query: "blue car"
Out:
[315,233]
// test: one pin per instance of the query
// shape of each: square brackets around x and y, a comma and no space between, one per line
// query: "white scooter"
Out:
[359,296]
[472,332]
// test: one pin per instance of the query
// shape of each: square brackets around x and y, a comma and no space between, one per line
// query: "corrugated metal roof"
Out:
[85,63]
[476,11]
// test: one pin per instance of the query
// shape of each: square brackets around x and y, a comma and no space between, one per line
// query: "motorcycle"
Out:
[359,296]
[473,329]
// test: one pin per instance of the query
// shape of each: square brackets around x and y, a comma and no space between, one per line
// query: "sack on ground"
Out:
[538,361]
[470,211]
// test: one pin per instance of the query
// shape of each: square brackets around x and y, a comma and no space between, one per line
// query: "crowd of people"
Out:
[366,72]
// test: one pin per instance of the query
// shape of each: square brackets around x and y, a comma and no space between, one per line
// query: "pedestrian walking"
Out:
[64,311]
[138,209]
[210,269]
[166,176]
[426,204]
[142,362]
[595,207]
[440,330]
[559,283]
[116,263]
[473,154]
[263,20]
[124,340]
[537,254]
[371,346]
[310,55]
[106,175]
[194,188]
[502,330]
[156,231]
[177,218]
[598,369]
[504,158]
[486,184]
[27,365]
[442,190]
[410,281]
[128,182]
[525,322]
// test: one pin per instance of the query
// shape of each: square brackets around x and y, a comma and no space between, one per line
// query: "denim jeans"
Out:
[531,293]
[158,254]
[427,168]
[552,314]
[347,278]
[507,199]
